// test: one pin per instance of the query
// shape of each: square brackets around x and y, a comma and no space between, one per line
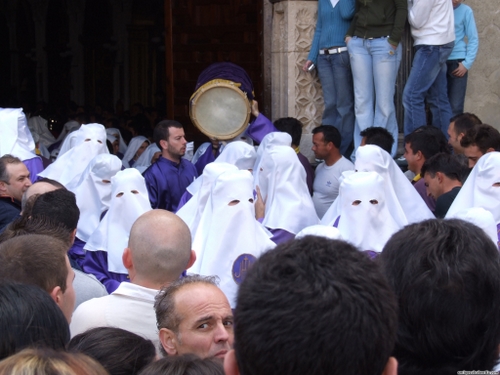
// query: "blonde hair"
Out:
[50,362]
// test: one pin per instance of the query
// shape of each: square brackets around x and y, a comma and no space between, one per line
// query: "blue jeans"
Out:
[336,80]
[375,65]
[457,87]
[428,80]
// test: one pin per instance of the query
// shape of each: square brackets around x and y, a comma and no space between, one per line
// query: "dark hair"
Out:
[429,140]
[483,136]
[291,126]
[330,134]
[375,135]
[29,317]
[161,130]
[59,205]
[465,121]
[26,224]
[328,294]
[34,259]
[188,364]
[4,160]
[447,164]
[446,274]
[119,351]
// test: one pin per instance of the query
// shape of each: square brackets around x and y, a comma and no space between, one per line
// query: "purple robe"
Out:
[498,235]
[167,181]
[206,158]
[279,235]
[260,127]
[96,263]
[35,166]
[309,172]
[76,252]
[184,199]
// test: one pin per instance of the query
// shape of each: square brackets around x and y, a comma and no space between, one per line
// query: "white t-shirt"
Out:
[326,184]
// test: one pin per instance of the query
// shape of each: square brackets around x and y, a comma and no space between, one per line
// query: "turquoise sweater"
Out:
[465,26]
[331,26]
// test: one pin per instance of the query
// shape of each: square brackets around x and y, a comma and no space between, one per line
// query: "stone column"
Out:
[483,87]
[295,93]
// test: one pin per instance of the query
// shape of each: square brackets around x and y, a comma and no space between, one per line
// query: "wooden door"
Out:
[201,32]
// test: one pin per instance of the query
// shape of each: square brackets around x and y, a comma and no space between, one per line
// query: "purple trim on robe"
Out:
[35,166]
[96,263]
[184,199]
[131,163]
[260,127]
[76,252]
[309,172]
[498,235]
[279,235]
[372,254]
[336,223]
[206,158]
[167,181]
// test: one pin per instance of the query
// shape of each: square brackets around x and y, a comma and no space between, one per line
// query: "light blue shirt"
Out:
[465,26]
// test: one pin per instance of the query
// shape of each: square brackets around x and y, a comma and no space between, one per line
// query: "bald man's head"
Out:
[160,247]
[40,187]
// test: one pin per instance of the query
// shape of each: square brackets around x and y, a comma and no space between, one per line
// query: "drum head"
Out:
[220,110]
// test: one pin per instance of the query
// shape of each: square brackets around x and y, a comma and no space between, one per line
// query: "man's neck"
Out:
[145,283]
[333,158]
[450,184]
[170,157]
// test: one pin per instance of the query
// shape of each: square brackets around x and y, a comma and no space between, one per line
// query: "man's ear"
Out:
[391,367]
[56,295]
[127,258]
[192,259]
[460,136]
[440,176]
[3,187]
[419,155]
[491,149]
[168,340]
[230,364]
[72,237]
[163,144]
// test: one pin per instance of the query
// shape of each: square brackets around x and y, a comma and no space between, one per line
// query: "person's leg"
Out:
[457,87]
[424,70]
[326,77]
[386,61]
[438,93]
[345,98]
[361,66]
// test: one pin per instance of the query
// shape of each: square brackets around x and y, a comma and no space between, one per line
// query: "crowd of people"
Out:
[123,250]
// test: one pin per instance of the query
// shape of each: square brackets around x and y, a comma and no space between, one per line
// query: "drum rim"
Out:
[212,85]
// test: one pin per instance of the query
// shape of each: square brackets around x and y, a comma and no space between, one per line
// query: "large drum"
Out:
[220,106]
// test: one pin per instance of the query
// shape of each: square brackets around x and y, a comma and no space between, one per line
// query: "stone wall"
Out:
[483,91]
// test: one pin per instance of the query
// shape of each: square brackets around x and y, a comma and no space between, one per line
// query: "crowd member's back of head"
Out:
[59,205]
[29,318]
[314,306]
[187,364]
[446,274]
[465,121]
[484,136]
[50,362]
[40,260]
[43,185]
[120,352]
[428,140]
[378,136]
[291,126]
